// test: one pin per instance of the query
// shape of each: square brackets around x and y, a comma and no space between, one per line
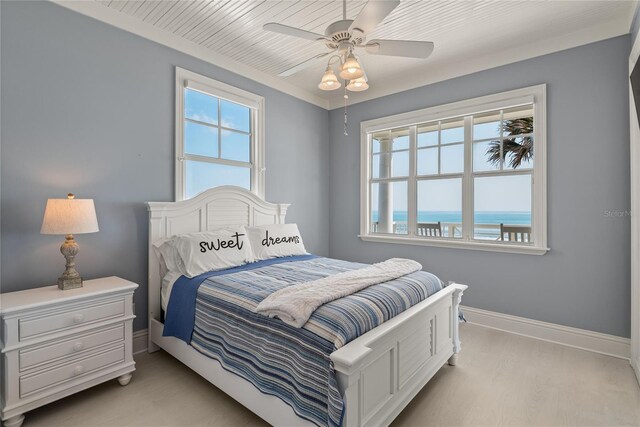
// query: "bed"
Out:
[377,373]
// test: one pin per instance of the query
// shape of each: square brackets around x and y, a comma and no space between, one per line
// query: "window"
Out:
[219,137]
[459,175]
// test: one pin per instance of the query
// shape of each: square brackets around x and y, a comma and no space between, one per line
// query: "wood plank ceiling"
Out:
[461,30]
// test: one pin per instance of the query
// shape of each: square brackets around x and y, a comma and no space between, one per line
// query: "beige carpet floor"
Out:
[501,380]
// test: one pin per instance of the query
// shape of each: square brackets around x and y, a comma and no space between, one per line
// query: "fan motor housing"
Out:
[339,33]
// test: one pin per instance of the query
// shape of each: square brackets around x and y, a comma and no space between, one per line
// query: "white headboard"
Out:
[214,208]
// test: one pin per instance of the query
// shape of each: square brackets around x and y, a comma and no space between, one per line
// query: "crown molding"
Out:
[428,75]
[128,23]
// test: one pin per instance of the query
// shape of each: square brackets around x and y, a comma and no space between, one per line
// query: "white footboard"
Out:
[380,372]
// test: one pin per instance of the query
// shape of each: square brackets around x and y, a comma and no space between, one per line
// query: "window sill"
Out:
[442,243]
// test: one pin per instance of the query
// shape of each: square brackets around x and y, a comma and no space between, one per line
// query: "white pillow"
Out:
[168,256]
[275,240]
[213,250]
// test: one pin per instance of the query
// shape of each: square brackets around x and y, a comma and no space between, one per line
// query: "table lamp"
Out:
[69,216]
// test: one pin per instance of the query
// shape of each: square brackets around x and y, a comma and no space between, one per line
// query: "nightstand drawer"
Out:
[34,383]
[70,346]
[73,317]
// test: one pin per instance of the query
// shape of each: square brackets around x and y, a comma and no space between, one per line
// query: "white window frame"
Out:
[535,95]
[189,79]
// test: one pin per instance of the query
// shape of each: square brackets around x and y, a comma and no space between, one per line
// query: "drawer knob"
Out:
[78,318]
[78,346]
[78,370]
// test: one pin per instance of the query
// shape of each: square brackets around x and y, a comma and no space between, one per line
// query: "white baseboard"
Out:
[597,342]
[140,341]
[635,364]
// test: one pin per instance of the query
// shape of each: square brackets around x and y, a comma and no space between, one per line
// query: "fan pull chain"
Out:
[346,98]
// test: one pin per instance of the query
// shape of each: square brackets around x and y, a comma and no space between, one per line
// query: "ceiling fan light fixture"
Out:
[351,69]
[358,85]
[329,80]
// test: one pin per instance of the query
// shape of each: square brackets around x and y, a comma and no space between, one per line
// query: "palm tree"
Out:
[520,151]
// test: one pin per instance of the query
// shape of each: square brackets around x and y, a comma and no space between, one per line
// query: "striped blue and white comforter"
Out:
[291,363]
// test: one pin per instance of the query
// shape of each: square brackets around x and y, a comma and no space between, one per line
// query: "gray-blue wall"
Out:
[584,280]
[88,108]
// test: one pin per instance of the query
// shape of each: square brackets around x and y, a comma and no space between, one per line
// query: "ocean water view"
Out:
[488,222]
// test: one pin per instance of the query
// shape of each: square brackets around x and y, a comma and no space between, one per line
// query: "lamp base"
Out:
[66,283]
[70,279]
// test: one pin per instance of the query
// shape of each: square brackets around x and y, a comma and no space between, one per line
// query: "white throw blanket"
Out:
[296,303]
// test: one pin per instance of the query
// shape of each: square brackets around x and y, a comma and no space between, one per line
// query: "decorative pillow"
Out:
[275,240]
[168,256]
[213,250]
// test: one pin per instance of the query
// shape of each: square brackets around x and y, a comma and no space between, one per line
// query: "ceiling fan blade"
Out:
[407,48]
[372,14]
[301,66]
[292,31]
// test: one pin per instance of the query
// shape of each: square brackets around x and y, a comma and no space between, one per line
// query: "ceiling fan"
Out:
[344,37]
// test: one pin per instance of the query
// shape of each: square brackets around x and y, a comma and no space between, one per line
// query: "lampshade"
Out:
[351,68]
[358,85]
[329,80]
[69,216]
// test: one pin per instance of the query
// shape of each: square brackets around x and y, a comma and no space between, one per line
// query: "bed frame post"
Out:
[455,319]
[351,395]
[153,279]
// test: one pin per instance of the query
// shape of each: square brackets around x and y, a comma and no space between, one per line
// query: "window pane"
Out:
[200,139]
[388,165]
[379,142]
[518,153]
[200,106]
[389,162]
[236,146]
[503,200]
[375,145]
[486,126]
[428,161]
[375,167]
[389,207]
[201,176]
[428,135]
[486,156]
[518,120]
[440,201]
[400,164]
[374,210]
[235,116]
[452,159]
[401,141]
[390,140]
[518,150]
[452,131]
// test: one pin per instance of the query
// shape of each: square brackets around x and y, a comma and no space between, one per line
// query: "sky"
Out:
[203,140]
[495,194]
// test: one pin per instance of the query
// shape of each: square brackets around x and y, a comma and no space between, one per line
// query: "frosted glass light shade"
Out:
[329,80]
[69,216]
[358,85]
[351,68]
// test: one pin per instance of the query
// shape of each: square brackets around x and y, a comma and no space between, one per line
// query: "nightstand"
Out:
[55,343]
